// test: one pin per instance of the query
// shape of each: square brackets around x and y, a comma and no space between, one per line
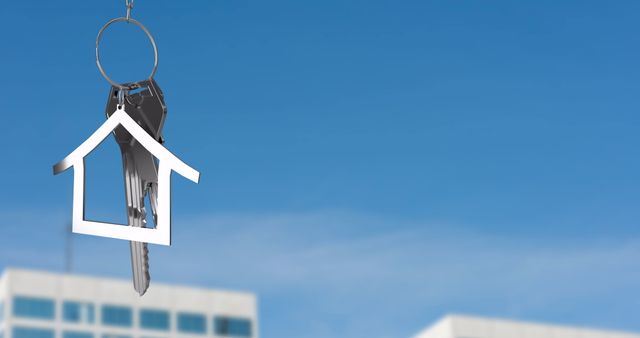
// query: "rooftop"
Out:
[460,326]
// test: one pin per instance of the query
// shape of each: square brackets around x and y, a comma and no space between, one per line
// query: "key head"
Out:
[144,102]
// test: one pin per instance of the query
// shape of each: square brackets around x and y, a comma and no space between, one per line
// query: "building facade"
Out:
[474,327]
[37,304]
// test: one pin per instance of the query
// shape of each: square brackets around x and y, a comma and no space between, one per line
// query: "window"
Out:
[116,315]
[154,319]
[77,334]
[30,307]
[27,332]
[192,323]
[111,335]
[76,312]
[229,326]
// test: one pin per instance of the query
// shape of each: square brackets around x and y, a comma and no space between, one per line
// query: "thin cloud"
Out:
[350,275]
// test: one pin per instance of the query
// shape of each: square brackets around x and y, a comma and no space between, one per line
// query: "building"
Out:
[37,304]
[473,327]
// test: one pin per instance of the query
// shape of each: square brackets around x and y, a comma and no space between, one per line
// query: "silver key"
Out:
[140,168]
[136,216]
[143,181]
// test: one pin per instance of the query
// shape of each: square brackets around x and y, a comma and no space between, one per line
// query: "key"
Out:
[136,215]
[141,175]
[151,117]
[150,113]
[140,168]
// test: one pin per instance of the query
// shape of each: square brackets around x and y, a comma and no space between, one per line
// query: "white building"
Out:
[473,327]
[37,304]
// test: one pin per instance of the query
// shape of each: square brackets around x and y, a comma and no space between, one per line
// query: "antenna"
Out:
[68,264]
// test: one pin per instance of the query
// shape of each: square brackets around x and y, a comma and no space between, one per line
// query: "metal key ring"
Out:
[137,23]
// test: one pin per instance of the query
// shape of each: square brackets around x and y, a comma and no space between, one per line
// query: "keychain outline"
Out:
[167,162]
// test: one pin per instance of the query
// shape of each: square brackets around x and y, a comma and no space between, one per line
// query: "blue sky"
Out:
[367,166]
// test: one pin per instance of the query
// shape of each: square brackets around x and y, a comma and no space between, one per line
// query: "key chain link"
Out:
[121,95]
[127,19]
[129,4]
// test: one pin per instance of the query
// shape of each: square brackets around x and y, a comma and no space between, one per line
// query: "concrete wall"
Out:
[101,291]
[3,307]
[474,327]
[441,329]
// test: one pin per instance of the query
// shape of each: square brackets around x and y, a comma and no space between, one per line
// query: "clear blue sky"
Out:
[367,166]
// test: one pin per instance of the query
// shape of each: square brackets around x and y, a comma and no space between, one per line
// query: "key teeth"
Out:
[141,214]
[145,252]
[141,275]
[146,264]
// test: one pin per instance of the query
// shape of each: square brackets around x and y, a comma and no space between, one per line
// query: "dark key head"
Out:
[144,102]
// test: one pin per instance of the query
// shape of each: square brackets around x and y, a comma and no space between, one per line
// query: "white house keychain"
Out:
[136,121]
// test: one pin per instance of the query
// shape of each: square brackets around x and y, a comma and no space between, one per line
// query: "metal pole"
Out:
[69,249]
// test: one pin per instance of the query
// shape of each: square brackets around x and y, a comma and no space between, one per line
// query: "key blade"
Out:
[137,216]
[140,266]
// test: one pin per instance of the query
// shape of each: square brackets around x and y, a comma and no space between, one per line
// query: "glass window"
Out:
[28,332]
[31,307]
[116,315]
[77,334]
[111,335]
[154,319]
[230,326]
[192,323]
[77,312]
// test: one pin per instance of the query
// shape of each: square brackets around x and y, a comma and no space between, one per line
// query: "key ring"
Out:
[137,23]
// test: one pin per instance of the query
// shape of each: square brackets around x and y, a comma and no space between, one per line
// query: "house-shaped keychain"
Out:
[167,162]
